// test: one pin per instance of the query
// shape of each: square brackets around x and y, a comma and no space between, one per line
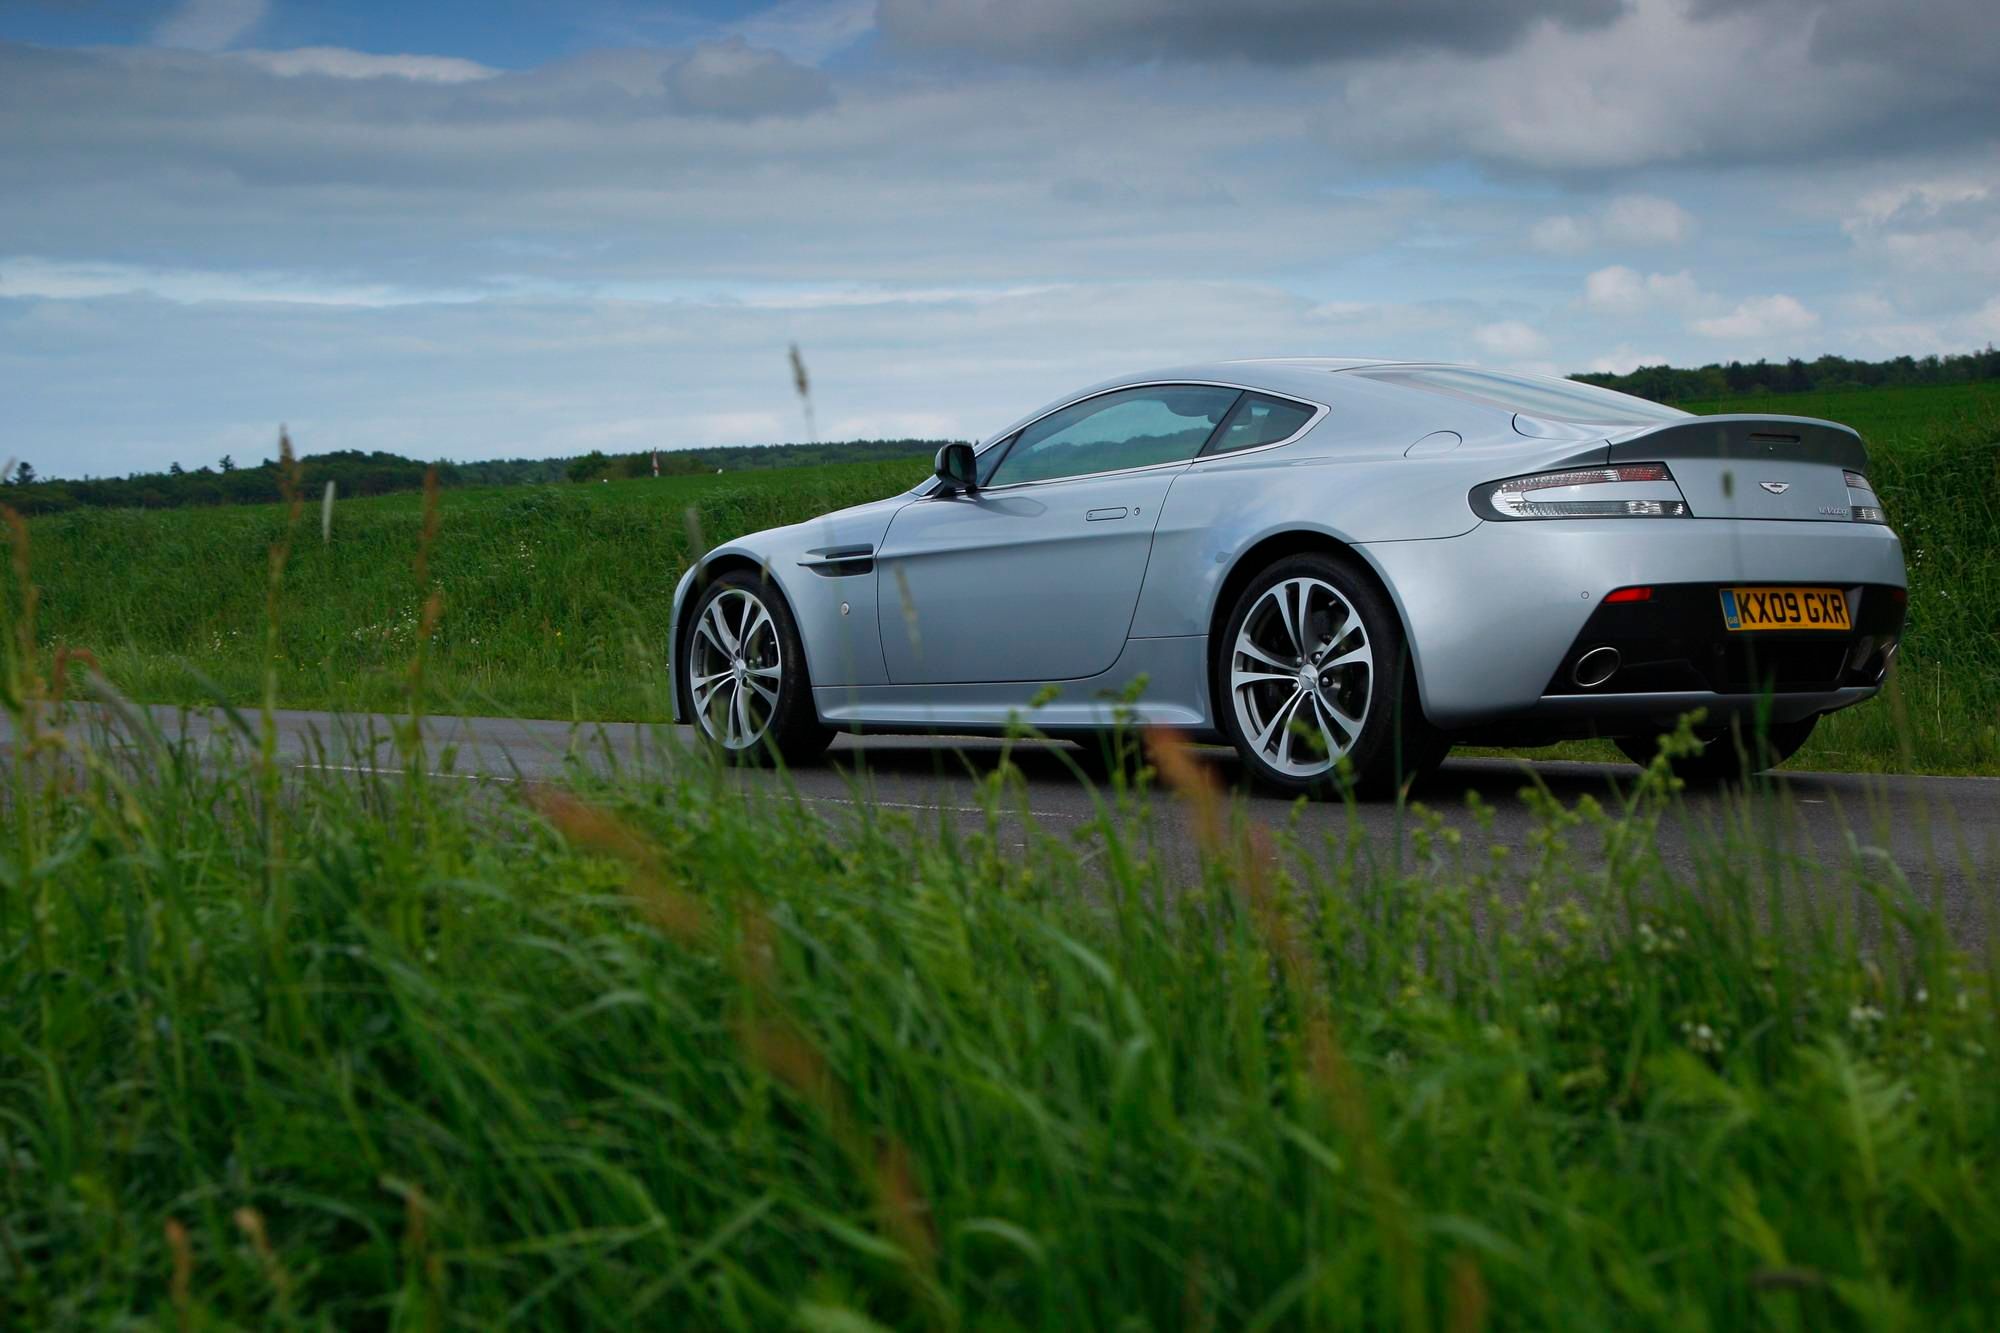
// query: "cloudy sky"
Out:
[475,228]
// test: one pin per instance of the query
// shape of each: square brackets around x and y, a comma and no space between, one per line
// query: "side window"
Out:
[1125,428]
[1260,420]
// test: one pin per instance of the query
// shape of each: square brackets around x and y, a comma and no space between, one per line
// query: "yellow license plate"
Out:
[1785,608]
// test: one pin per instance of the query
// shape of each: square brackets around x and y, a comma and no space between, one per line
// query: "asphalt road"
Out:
[1942,833]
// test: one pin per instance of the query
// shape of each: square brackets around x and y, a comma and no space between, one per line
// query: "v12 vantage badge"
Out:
[1339,567]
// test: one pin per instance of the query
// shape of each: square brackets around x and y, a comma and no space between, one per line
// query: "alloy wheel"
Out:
[1301,676]
[735,669]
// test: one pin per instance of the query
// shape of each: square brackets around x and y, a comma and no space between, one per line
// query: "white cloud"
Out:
[808,30]
[1671,82]
[1645,219]
[1622,360]
[60,279]
[734,79]
[1759,317]
[208,25]
[1943,230]
[1618,290]
[1924,199]
[335,62]
[1563,234]
[1625,220]
[1510,340]
[902,425]
[1983,325]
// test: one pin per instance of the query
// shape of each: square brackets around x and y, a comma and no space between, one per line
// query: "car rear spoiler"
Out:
[1792,439]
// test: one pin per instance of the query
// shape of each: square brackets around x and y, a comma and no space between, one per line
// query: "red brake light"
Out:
[1630,595]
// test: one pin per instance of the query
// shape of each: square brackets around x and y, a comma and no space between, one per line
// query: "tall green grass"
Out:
[283,1050]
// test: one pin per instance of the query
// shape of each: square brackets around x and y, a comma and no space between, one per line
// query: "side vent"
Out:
[836,562]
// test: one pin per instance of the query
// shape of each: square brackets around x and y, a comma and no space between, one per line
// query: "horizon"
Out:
[532,230]
[7,470]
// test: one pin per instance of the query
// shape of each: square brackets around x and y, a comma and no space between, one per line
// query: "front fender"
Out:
[832,601]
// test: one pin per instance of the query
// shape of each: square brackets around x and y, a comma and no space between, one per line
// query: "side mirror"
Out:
[957,468]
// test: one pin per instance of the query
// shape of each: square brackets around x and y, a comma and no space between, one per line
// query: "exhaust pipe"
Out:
[1595,667]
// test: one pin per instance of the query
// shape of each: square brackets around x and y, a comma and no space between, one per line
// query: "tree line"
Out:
[355,472]
[1670,384]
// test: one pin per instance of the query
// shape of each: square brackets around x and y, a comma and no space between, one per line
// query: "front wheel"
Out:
[1311,671]
[744,672]
[1727,754]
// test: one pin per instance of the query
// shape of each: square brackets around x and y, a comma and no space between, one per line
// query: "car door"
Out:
[1034,574]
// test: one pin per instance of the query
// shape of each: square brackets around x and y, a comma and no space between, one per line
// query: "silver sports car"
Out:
[1341,567]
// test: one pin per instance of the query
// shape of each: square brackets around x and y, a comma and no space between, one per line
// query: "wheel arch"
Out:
[706,572]
[1259,556]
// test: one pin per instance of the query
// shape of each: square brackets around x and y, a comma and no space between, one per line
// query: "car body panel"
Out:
[953,568]
[1173,673]
[957,613]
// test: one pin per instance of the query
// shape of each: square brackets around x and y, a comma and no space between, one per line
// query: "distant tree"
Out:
[24,474]
[227,464]
[176,470]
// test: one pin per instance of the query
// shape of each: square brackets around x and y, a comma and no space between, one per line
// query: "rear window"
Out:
[1531,395]
[1261,420]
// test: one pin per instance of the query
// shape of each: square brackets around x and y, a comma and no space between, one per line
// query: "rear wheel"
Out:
[1311,671]
[744,670]
[1728,754]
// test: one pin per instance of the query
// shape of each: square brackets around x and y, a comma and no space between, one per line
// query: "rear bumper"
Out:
[1571,717]
[1495,615]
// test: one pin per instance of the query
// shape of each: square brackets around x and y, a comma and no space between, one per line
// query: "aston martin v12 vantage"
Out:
[1341,567]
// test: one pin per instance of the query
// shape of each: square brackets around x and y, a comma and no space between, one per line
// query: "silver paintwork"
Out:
[972,610]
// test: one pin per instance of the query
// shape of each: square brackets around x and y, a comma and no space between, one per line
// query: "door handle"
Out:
[1099,515]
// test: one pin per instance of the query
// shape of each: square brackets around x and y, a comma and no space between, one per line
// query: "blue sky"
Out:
[523,228]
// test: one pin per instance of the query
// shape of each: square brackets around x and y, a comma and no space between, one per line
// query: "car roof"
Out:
[1311,379]
[1300,376]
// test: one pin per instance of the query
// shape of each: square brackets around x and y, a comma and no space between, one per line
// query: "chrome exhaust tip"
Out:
[1595,667]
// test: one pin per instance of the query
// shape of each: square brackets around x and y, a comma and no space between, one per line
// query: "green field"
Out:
[554,598]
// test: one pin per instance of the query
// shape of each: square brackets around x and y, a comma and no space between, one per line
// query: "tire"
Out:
[740,642]
[1363,704]
[1728,754]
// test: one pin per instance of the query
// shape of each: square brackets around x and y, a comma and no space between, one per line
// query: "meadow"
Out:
[554,598]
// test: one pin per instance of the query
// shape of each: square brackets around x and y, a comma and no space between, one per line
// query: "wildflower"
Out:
[1701,1037]
[1863,1017]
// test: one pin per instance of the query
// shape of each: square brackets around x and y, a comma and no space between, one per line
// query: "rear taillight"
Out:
[1862,506]
[1620,595]
[1629,490]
